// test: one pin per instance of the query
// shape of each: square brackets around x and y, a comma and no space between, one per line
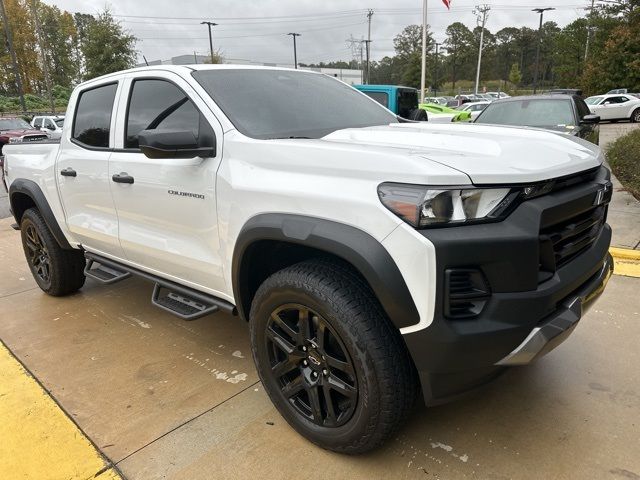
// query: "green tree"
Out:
[106,46]
[459,45]
[58,42]
[515,75]
[408,46]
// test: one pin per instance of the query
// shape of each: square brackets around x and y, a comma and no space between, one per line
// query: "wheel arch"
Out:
[302,237]
[25,194]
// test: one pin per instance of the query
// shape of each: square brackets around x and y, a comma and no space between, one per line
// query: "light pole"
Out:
[295,48]
[481,11]
[535,75]
[435,75]
[210,24]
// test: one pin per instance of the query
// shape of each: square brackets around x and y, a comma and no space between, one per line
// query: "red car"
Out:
[15,129]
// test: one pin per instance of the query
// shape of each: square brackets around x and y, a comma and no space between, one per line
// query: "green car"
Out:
[457,115]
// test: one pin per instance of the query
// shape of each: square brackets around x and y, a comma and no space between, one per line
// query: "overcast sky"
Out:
[256,29]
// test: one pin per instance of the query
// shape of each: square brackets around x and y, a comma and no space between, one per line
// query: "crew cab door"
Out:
[167,214]
[82,170]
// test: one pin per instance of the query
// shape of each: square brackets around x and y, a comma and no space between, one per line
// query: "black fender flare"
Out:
[353,245]
[32,190]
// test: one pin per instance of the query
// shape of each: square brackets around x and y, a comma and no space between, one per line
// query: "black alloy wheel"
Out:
[311,365]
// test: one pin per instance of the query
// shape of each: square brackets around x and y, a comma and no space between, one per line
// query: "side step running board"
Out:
[104,273]
[183,306]
[185,302]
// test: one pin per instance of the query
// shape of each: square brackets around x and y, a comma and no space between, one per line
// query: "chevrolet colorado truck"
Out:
[374,259]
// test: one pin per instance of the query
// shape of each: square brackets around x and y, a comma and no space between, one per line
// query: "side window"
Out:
[49,124]
[583,109]
[158,104]
[92,121]
[37,122]
[381,97]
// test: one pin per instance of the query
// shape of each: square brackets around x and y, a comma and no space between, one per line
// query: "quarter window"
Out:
[37,122]
[158,104]
[92,121]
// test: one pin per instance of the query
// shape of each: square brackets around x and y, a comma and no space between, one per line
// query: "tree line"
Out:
[611,60]
[70,47]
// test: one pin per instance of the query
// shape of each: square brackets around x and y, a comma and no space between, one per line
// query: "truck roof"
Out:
[186,69]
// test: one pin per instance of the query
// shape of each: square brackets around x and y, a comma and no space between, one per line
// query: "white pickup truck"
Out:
[372,257]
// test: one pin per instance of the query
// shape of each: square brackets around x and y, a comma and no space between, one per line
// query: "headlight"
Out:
[15,140]
[423,206]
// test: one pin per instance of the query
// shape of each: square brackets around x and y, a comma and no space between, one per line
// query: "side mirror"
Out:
[590,119]
[173,144]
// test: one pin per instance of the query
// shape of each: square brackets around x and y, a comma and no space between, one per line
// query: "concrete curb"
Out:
[626,262]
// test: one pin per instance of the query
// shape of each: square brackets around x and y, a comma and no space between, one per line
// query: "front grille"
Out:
[34,138]
[562,242]
[466,292]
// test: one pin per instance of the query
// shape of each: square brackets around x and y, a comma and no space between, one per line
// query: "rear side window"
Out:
[37,122]
[92,122]
[380,97]
[158,104]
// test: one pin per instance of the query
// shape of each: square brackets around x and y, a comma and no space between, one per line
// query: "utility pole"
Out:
[367,70]
[369,15]
[12,53]
[435,75]
[481,12]
[535,75]
[210,24]
[423,75]
[586,50]
[295,48]
[45,65]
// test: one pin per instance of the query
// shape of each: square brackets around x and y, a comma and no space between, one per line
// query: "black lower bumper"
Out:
[525,316]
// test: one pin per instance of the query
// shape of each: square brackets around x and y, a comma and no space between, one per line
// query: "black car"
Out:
[563,113]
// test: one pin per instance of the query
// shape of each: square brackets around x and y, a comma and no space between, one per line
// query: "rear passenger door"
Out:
[82,170]
[167,216]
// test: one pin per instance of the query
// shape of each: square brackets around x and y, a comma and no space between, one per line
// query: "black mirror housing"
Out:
[174,144]
[590,119]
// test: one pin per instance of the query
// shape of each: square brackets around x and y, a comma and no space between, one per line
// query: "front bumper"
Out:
[526,314]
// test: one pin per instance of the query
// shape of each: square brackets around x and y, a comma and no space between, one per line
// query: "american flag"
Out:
[447,3]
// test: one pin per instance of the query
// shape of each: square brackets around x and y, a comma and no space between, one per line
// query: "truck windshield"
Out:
[529,113]
[14,124]
[269,104]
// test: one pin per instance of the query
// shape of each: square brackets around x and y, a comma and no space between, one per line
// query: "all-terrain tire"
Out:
[383,371]
[57,272]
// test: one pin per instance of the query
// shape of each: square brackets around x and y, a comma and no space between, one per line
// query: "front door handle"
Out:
[122,177]
[68,172]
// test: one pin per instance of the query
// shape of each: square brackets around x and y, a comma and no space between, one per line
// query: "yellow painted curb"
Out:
[626,261]
[38,440]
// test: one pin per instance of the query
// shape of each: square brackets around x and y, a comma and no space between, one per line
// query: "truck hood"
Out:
[486,154]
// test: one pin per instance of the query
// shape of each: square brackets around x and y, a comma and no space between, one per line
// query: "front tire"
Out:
[329,358]
[57,272]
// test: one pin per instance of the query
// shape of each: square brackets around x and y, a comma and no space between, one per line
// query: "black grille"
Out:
[34,138]
[466,293]
[564,241]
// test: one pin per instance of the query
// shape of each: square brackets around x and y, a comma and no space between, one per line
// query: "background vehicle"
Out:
[16,129]
[440,113]
[499,95]
[615,107]
[567,114]
[51,124]
[474,108]
[370,256]
[403,101]
[566,91]
[618,91]
[437,100]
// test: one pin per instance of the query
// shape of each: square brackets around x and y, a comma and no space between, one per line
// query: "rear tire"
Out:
[57,272]
[635,116]
[329,358]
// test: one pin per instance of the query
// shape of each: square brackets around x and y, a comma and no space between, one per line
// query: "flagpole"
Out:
[424,51]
